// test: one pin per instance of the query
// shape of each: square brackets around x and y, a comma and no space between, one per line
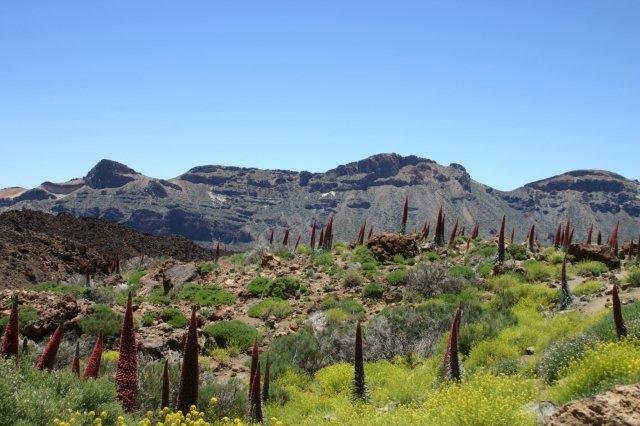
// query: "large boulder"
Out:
[385,246]
[604,254]
[617,407]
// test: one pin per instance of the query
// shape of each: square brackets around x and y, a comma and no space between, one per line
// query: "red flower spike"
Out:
[11,335]
[93,365]
[165,385]
[127,367]
[48,358]
[188,390]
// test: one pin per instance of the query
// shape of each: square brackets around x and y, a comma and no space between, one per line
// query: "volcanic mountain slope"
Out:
[36,246]
[240,205]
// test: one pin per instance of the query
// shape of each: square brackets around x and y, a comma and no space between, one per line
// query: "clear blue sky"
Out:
[513,90]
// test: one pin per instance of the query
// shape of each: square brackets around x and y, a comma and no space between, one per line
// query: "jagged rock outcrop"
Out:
[385,246]
[619,407]
[602,254]
[238,205]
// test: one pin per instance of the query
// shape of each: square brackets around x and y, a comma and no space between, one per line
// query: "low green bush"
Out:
[589,268]
[157,297]
[174,317]
[323,259]
[373,291]
[60,288]
[283,287]
[351,279]
[462,271]
[518,252]
[633,277]
[234,333]
[206,268]
[149,318]
[258,285]
[431,256]
[397,277]
[205,295]
[362,255]
[588,287]
[600,369]
[535,271]
[271,306]
[101,318]
[350,306]
[135,277]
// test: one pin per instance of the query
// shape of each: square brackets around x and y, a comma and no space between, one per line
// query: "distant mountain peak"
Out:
[109,174]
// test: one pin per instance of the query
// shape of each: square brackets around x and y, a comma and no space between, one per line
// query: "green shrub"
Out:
[397,277]
[33,397]
[238,259]
[431,256]
[60,288]
[26,315]
[535,271]
[350,306]
[369,266]
[102,318]
[303,249]
[483,249]
[602,367]
[485,269]
[234,333]
[362,255]
[461,271]
[633,277]
[134,278]
[174,317]
[206,268]
[554,256]
[590,268]
[373,291]
[558,355]
[206,295]
[272,306]
[157,297]
[336,316]
[323,259]
[149,318]
[258,285]
[518,252]
[283,287]
[399,259]
[588,287]
[352,279]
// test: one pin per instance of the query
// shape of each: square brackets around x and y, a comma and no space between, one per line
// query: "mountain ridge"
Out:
[239,205]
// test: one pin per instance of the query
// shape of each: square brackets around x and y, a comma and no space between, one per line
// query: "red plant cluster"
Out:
[439,237]
[11,333]
[93,365]
[48,358]
[451,361]
[405,216]
[531,237]
[454,233]
[424,234]
[501,249]
[589,234]
[621,328]
[360,236]
[613,239]
[475,231]
[127,367]
[313,236]
[188,390]
[217,258]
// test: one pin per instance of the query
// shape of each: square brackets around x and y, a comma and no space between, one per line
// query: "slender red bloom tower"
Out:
[255,400]
[321,239]
[217,258]
[285,240]
[558,237]
[10,338]
[513,234]
[590,234]
[405,216]
[454,232]
[165,385]
[93,365]
[127,367]
[267,380]
[295,247]
[599,238]
[370,233]
[621,328]
[271,237]
[532,237]
[48,358]
[312,241]
[439,238]
[255,357]
[501,250]
[75,364]
[451,361]
[188,390]
[359,386]
[475,231]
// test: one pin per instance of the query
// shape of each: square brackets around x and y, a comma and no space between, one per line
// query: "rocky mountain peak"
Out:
[109,174]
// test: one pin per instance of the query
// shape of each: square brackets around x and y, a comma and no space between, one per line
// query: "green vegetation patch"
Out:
[258,285]
[271,306]
[102,318]
[397,277]
[234,333]
[205,295]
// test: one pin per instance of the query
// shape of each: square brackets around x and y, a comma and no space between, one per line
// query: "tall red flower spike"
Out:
[513,234]
[475,231]
[621,328]
[405,216]
[370,233]
[75,364]
[127,367]
[501,250]
[48,358]
[165,385]
[532,237]
[93,365]
[321,239]
[359,386]
[271,237]
[267,380]
[11,335]
[217,258]
[451,361]
[255,356]
[255,400]
[454,232]
[188,390]
[439,237]
[556,240]
[295,247]
[285,240]
[590,234]
[599,238]
[313,236]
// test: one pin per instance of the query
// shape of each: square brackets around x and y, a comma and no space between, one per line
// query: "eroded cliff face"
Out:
[239,205]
